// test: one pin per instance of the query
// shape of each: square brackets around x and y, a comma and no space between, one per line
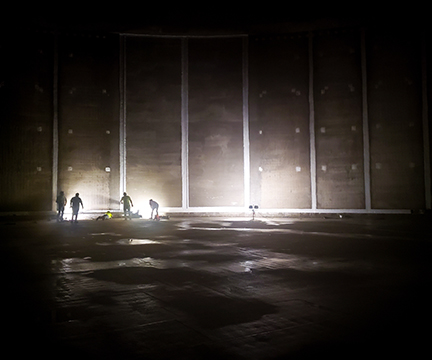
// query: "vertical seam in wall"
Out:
[312,127]
[425,115]
[122,133]
[185,122]
[246,144]
[365,119]
[55,157]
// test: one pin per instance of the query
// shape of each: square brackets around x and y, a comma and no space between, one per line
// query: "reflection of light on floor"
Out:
[83,216]
[188,226]
[72,265]
[258,261]
[128,241]
[278,262]
[104,234]
[300,263]
[247,266]
[136,242]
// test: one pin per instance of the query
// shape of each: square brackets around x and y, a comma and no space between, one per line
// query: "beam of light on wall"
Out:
[93,188]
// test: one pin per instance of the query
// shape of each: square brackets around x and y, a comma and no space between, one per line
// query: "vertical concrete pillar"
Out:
[366,147]
[185,123]
[425,115]
[312,127]
[55,125]
[122,132]
[246,149]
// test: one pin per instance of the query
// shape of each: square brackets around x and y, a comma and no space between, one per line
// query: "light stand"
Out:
[253,207]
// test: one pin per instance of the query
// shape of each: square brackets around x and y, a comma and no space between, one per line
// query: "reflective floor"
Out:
[213,288]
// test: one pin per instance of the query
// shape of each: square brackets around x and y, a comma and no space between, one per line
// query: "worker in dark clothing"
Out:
[61,203]
[127,203]
[75,205]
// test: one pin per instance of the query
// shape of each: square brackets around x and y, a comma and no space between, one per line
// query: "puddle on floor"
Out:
[72,265]
[105,234]
[251,230]
[241,261]
[136,242]
[129,241]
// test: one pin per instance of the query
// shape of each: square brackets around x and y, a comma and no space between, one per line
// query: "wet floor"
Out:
[217,288]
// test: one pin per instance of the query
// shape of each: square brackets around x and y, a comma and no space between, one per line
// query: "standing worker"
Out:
[61,203]
[127,203]
[75,204]
[154,206]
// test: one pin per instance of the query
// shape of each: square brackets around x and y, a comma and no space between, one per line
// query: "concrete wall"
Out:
[395,116]
[310,121]
[88,130]
[26,122]
[153,120]
[215,122]
[337,91]
[279,122]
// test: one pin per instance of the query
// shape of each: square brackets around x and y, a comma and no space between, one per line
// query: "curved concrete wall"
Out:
[311,121]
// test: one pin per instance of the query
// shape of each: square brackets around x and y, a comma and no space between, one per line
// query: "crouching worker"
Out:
[154,206]
[105,216]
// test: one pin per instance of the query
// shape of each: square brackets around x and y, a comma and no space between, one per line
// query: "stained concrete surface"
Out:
[65,94]
[191,288]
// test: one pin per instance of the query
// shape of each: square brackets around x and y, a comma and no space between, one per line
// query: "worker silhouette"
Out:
[75,203]
[127,203]
[154,206]
[61,203]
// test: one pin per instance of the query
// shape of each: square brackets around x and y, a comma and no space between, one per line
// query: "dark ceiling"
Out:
[208,18]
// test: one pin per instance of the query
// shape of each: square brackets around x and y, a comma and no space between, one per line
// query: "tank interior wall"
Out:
[279,122]
[338,120]
[153,120]
[306,120]
[26,78]
[88,130]
[215,122]
[395,119]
